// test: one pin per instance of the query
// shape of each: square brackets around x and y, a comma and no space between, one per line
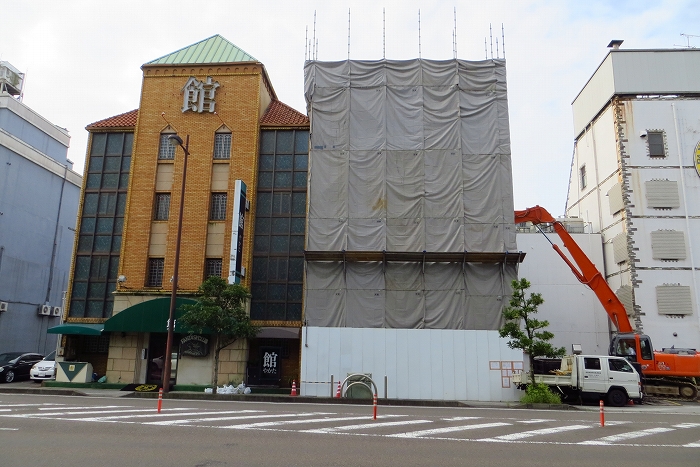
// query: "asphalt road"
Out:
[75,431]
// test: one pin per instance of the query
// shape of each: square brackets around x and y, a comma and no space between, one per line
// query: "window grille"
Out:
[218,207]
[162,207]
[222,146]
[166,150]
[212,267]
[155,272]
[584,180]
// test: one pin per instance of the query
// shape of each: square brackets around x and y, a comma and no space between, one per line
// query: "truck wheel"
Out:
[617,398]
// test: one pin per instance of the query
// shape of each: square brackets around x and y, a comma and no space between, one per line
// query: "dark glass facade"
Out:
[102,221]
[280,224]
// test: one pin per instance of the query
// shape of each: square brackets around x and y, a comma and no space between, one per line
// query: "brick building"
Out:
[220,101]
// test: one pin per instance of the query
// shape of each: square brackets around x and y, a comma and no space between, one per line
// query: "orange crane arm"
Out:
[584,269]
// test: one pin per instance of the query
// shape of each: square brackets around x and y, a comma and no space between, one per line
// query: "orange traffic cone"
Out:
[294,388]
[337,392]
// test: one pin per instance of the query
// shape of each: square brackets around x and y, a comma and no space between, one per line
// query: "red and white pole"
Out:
[602,415]
[374,404]
[160,399]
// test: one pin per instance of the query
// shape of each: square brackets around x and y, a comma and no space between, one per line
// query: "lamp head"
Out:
[175,140]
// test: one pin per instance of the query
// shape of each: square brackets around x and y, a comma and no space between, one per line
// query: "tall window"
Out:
[212,267]
[155,272]
[655,139]
[166,150]
[222,146]
[280,223]
[584,179]
[218,207]
[161,210]
[101,224]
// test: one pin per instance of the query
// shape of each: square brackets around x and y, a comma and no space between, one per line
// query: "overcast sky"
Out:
[82,58]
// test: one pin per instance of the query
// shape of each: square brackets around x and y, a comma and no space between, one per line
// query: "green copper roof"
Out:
[216,49]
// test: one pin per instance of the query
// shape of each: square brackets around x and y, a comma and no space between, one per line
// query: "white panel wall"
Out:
[574,313]
[428,364]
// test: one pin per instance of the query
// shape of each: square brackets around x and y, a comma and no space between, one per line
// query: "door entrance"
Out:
[156,354]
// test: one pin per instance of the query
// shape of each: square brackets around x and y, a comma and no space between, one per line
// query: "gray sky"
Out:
[83,57]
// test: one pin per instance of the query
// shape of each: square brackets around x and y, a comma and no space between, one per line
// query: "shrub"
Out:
[540,394]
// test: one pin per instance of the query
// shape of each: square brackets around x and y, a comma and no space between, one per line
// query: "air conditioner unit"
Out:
[57,311]
[45,310]
[3,306]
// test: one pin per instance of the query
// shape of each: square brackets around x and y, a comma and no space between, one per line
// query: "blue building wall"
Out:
[39,196]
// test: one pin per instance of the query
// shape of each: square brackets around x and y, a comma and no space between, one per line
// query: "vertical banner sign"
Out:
[696,159]
[270,364]
[238,222]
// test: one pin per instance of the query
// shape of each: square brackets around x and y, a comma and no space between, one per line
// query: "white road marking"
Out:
[543,431]
[626,436]
[686,425]
[89,412]
[28,405]
[457,419]
[297,422]
[10,429]
[537,420]
[217,419]
[178,414]
[692,445]
[448,429]
[87,408]
[365,426]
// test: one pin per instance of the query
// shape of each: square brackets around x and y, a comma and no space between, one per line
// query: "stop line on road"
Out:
[331,423]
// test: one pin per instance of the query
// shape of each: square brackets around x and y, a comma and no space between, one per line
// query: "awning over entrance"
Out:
[278,332]
[149,316]
[77,329]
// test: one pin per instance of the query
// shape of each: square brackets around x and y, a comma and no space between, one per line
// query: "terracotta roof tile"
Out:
[279,114]
[125,120]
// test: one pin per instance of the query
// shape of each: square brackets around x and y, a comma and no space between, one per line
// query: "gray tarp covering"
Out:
[408,156]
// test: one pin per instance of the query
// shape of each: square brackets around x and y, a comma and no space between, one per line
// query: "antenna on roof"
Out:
[306,43]
[503,40]
[486,50]
[454,35]
[384,33]
[419,34]
[348,33]
[497,56]
[491,38]
[314,54]
[316,50]
[687,39]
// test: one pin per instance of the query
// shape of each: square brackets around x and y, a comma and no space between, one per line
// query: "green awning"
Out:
[77,328]
[148,316]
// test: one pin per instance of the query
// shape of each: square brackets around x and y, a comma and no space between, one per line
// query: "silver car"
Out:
[44,369]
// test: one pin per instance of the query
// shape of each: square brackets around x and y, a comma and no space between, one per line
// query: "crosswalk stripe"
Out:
[536,420]
[448,429]
[626,436]
[365,426]
[29,405]
[692,445]
[543,431]
[298,422]
[218,419]
[159,415]
[686,425]
[458,419]
[87,408]
[89,412]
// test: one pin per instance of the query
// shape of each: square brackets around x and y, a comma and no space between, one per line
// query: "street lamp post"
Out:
[175,140]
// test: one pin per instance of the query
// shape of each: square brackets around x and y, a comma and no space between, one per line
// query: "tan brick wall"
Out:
[232,362]
[121,360]
[238,106]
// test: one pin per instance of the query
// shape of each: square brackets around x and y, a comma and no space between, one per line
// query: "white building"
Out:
[635,178]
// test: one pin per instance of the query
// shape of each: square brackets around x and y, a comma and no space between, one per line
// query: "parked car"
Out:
[45,369]
[15,365]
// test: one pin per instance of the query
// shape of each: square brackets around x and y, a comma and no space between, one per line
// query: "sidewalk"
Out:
[30,387]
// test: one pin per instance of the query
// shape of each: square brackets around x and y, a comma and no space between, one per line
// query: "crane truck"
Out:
[671,371]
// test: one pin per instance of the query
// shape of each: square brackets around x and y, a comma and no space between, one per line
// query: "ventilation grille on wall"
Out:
[620,252]
[662,194]
[624,293]
[615,199]
[674,299]
[668,245]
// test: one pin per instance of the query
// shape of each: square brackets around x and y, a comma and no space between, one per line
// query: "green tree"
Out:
[220,309]
[531,337]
